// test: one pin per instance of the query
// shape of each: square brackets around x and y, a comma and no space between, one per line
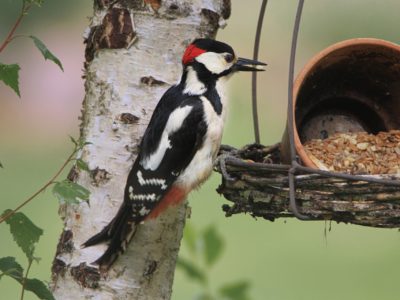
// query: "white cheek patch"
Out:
[214,62]
[174,123]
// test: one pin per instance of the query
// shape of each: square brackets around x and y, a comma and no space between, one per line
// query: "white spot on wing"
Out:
[151,181]
[174,122]
[141,197]
[193,86]
[144,211]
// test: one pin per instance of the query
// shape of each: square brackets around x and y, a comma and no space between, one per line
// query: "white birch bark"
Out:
[122,88]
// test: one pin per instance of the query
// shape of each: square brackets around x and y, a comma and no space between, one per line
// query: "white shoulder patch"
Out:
[174,122]
[176,118]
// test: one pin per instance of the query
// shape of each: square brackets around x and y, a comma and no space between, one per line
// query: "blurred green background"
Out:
[283,260]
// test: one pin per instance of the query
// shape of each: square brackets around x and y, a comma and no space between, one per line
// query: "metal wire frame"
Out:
[254,75]
[292,170]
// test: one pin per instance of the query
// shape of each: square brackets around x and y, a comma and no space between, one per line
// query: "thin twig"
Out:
[50,182]
[9,37]
[25,277]
[254,75]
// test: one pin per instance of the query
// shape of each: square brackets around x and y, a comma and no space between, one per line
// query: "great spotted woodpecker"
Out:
[180,144]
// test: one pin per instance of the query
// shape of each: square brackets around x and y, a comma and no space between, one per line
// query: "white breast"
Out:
[201,165]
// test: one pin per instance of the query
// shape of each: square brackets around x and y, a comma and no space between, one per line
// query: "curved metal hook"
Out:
[292,184]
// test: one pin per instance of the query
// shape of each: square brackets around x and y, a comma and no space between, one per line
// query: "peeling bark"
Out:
[133,55]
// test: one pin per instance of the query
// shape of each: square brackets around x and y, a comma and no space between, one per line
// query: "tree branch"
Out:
[10,37]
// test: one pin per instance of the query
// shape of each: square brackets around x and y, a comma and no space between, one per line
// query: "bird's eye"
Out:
[229,58]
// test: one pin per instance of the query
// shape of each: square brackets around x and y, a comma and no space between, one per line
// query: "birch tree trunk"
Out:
[133,55]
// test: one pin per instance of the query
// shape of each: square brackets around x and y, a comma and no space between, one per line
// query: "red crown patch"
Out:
[191,53]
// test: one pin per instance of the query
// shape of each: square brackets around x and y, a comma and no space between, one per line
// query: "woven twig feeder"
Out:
[350,86]
[256,183]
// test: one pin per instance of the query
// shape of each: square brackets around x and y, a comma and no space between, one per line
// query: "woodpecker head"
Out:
[216,59]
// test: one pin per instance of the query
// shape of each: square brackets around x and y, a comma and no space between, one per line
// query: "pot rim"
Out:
[311,64]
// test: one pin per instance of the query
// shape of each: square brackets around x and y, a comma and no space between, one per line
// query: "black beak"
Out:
[244,64]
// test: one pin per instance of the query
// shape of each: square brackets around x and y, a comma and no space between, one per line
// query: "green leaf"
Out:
[190,238]
[82,143]
[45,52]
[235,291]
[79,144]
[213,245]
[9,75]
[1,165]
[73,140]
[191,270]
[38,288]
[10,267]
[82,165]
[24,232]
[70,192]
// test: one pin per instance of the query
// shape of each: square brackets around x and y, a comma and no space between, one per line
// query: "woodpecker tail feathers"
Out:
[118,232]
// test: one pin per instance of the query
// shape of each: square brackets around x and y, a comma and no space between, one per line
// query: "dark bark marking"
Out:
[226,9]
[65,244]
[150,269]
[115,32]
[58,268]
[134,149]
[211,16]
[151,81]
[173,6]
[87,277]
[128,118]
[99,176]
[73,174]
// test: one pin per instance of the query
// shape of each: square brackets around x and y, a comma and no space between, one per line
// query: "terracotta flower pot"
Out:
[350,86]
